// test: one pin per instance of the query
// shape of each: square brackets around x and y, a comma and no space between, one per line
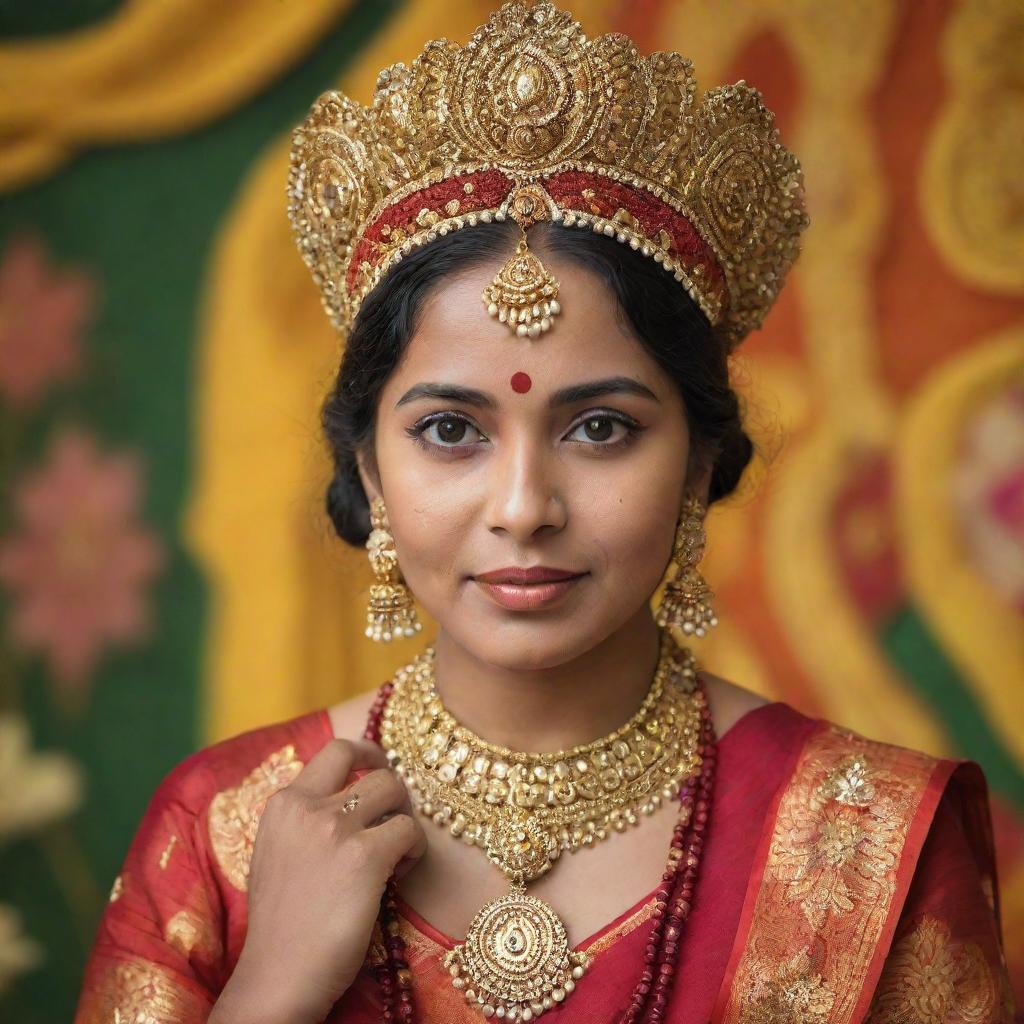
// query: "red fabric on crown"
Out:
[581,191]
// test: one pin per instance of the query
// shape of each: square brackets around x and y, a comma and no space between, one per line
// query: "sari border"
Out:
[757,874]
[916,835]
[797,935]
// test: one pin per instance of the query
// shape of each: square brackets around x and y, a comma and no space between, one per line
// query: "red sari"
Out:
[842,880]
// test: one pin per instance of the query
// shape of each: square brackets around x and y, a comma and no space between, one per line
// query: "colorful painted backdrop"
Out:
[166,571]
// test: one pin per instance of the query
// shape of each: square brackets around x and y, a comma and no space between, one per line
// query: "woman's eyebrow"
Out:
[564,396]
[595,388]
[451,392]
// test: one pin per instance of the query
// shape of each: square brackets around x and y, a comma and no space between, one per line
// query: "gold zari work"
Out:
[830,878]
[165,857]
[525,809]
[930,978]
[190,932]
[530,98]
[139,991]
[790,990]
[235,813]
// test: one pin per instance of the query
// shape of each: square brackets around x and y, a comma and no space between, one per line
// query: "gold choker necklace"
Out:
[524,809]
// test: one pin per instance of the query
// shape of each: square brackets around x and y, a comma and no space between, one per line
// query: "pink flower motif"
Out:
[78,562]
[42,313]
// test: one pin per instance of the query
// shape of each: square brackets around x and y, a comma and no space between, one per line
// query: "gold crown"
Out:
[532,120]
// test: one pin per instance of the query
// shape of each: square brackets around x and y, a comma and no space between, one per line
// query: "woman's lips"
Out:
[528,596]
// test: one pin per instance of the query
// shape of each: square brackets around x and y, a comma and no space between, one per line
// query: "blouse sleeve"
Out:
[158,946]
[946,962]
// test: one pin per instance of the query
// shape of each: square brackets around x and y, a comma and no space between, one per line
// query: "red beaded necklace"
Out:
[673,900]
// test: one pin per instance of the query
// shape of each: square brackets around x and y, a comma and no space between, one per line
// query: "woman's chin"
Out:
[520,641]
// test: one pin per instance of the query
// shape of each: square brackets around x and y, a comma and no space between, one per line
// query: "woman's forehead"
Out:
[456,340]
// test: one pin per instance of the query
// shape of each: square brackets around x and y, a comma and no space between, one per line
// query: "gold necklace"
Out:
[524,809]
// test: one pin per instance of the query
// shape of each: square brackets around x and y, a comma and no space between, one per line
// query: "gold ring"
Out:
[350,804]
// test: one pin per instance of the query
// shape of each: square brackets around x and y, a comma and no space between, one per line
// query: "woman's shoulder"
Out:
[819,761]
[734,707]
[348,717]
[247,767]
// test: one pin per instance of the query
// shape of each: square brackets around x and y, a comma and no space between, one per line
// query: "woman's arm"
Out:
[158,953]
[158,945]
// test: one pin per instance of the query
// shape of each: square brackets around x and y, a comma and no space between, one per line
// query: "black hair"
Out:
[666,320]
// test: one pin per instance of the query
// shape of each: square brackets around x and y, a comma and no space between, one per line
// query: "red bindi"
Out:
[521,382]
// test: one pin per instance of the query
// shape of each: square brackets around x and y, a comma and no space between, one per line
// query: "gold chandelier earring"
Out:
[390,612]
[686,602]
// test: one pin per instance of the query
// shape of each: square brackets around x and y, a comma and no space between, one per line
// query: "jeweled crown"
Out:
[531,120]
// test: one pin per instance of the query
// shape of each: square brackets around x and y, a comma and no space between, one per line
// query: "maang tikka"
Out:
[686,602]
[391,612]
[524,293]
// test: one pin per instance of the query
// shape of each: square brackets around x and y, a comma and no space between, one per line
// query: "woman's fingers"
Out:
[329,768]
[399,838]
[377,793]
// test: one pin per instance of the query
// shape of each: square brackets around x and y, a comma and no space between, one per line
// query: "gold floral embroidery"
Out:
[930,979]
[838,843]
[235,813]
[187,931]
[138,991]
[829,879]
[789,991]
[116,889]
[165,857]
[838,846]
[851,783]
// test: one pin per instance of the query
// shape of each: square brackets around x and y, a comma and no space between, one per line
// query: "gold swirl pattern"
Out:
[83,88]
[972,192]
[789,990]
[929,978]
[138,991]
[707,189]
[235,813]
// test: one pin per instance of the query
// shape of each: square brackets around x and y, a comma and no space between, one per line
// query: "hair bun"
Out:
[734,456]
[347,504]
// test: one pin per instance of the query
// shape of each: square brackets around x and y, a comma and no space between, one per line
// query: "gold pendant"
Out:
[515,958]
[523,295]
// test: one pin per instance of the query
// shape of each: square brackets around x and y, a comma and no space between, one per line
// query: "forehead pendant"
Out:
[524,295]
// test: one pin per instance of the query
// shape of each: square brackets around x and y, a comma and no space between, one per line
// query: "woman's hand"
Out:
[315,883]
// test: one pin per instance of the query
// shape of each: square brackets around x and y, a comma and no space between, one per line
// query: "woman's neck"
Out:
[551,709]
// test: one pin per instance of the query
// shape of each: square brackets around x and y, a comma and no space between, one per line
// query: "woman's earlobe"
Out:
[698,481]
[367,479]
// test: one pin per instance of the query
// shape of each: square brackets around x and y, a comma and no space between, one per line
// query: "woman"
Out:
[540,251]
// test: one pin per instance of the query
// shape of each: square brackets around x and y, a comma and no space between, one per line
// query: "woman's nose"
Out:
[523,492]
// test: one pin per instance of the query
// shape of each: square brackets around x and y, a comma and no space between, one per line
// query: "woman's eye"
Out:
[447,431]
[600,429]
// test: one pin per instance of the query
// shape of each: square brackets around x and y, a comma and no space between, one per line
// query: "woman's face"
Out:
[513,475]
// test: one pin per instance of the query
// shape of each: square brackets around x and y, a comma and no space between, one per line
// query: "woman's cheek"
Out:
[430,553]
[639,542]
